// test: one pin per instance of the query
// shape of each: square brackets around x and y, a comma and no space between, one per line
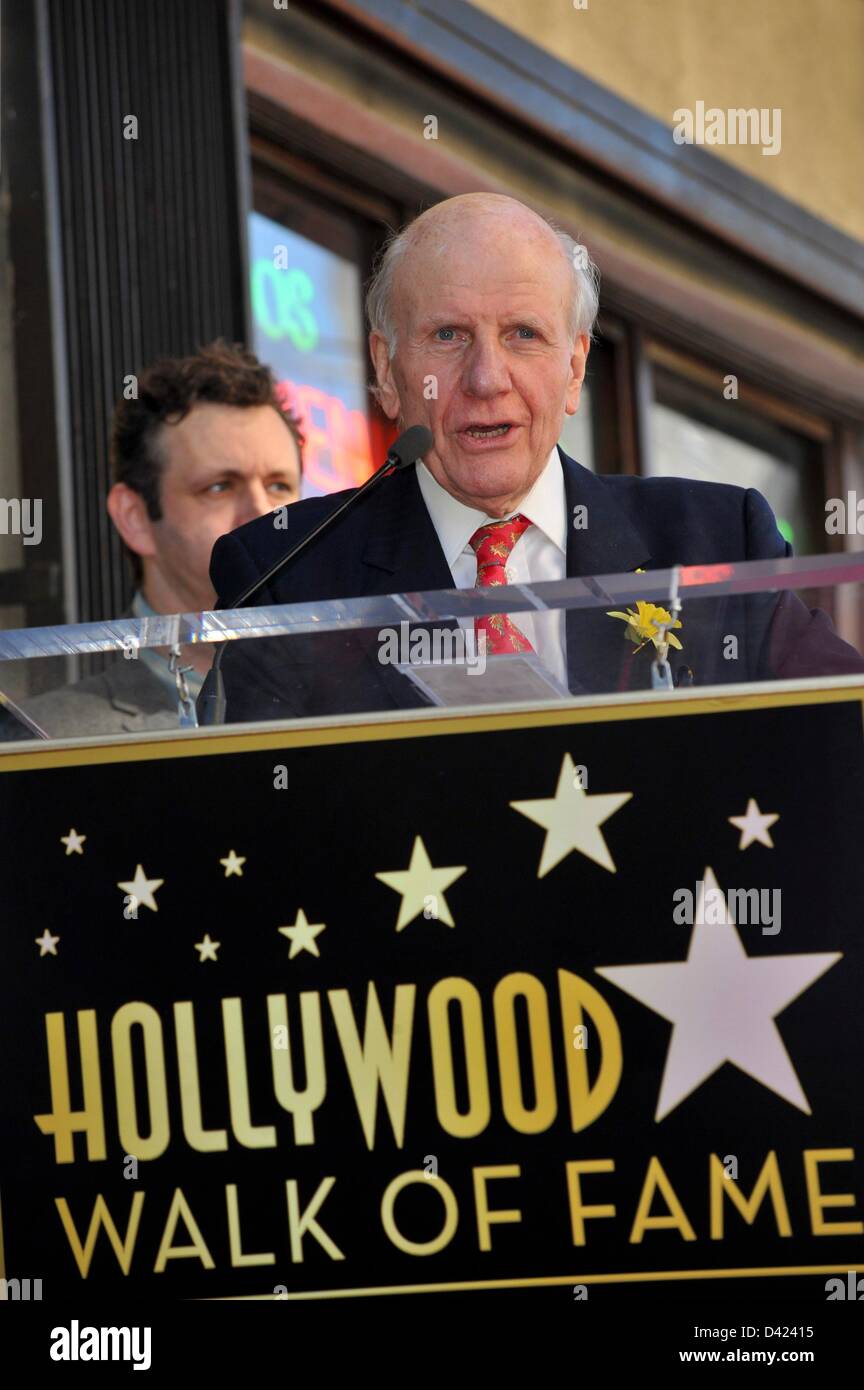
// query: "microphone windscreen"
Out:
[411,445]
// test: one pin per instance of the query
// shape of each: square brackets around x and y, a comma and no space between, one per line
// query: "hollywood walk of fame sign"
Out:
[410,1005]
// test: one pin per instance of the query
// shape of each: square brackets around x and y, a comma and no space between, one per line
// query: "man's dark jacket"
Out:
[388,545]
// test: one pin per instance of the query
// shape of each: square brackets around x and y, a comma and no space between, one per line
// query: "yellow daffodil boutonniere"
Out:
[645,625]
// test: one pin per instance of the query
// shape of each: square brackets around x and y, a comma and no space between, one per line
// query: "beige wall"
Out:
[325,85]
[804,56]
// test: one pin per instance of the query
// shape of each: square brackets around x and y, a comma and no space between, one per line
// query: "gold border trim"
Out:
[547,1281]
[411,724]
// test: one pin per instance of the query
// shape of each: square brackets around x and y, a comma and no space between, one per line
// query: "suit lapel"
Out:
[402,554]
[598,654]
[404,550]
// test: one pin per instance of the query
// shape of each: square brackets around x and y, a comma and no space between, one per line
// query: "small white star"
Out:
[754,826]
[207,949]
[302,935]
[47,944]
[73,842]
[572,820]
[233,864]
[422,887]
[142,889]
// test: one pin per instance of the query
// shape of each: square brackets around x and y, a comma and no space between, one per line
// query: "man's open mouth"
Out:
[486,431]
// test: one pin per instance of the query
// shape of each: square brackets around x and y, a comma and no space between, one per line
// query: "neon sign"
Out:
[280,300]
[309,330]
[337,452]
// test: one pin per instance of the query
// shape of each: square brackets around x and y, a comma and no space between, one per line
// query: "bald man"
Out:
[480,316]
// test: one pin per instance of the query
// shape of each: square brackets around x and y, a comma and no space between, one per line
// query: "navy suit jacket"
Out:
[388,544]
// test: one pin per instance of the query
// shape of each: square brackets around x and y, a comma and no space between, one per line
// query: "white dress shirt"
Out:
[539,554]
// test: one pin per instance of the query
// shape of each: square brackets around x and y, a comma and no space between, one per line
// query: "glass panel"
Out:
[738,625]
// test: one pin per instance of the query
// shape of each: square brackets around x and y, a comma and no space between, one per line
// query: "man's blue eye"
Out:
[445,330]
[523,329]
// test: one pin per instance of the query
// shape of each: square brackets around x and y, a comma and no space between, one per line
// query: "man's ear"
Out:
[578,362]
[128,511]
[388,396]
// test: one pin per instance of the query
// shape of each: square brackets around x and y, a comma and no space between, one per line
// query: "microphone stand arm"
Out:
[211,704]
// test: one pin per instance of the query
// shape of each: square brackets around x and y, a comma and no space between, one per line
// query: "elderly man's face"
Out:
[484,357]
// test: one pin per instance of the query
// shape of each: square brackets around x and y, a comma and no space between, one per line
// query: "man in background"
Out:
[207,446]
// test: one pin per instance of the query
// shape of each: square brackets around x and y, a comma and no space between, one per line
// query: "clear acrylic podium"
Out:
[736,625]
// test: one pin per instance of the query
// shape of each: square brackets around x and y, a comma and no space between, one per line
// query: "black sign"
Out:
[566,1000]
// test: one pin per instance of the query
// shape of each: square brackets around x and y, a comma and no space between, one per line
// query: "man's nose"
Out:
[485,371]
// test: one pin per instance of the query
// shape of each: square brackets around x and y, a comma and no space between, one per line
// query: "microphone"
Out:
[411,445]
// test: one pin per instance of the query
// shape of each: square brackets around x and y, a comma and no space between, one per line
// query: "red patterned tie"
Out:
[492,546]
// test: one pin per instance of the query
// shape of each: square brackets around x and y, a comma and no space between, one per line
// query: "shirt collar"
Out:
[455,524]
[154,661]
[140,606]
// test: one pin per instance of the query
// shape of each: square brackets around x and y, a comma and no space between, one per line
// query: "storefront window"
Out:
[576,438]
[694,436]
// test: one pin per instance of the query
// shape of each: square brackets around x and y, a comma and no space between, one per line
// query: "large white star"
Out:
[754,825]
[142,888]
[422,887]
[572,820]
[722,1004]
[47,943]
